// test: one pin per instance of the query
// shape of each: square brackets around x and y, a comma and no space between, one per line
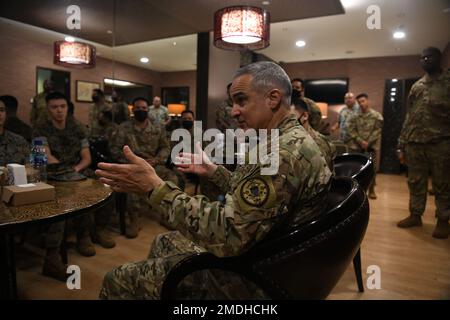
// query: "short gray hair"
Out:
[266,76]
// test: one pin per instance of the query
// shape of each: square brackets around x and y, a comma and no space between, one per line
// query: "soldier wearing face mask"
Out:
[99,106]
[149,141]
[300,108]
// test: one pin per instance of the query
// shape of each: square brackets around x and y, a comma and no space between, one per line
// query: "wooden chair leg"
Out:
[358,273]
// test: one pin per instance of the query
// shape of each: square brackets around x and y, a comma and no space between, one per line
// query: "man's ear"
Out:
[274,96]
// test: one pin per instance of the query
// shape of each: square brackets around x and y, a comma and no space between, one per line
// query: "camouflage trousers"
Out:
[84,225]
[144,279]
[423,159]
[138,204]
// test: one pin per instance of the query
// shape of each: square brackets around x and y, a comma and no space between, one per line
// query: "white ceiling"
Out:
[425,23]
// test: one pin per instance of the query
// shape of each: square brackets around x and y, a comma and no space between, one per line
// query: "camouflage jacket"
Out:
[326,146]
[428,117]
[365,127]
[39,109]
[121,112]
[65,145]
[158,115]
[345,115]
[95,129]
[13,148]
[254,203]
[224,120]
[315,113]
[148,143]
[19,127]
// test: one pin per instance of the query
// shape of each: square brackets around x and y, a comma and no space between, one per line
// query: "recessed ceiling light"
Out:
[265,3]
[174,43]
[69,39]
[392,99]
[145,60]
[394,80]
[393,89]
[399,35]
[393,93]
[108,31]
[300,43]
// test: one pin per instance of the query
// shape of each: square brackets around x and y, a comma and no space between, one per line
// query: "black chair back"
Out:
[305,263]
[357,166]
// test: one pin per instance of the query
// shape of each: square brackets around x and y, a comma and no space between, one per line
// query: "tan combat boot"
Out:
[132,229]
[442,229]
[84,245]
[103,238]
[53,266]
[413,220]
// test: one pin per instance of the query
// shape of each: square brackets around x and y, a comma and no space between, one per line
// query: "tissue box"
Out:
[28,193]
[16,174]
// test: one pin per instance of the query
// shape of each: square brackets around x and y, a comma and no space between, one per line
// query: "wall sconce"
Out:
[242,28]
[74,54]
[175,109]
[323,108]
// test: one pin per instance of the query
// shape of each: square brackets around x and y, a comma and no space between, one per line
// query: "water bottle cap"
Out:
[37,142]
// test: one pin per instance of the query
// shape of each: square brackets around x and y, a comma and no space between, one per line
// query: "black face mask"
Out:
[140,115]
[187,124]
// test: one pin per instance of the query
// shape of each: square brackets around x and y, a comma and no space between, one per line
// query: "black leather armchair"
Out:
[359,167]
[301,263]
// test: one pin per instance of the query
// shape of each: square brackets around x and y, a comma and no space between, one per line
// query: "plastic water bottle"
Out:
[38,161]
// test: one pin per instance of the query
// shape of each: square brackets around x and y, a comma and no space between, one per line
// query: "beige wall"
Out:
[18,74]
[365,75]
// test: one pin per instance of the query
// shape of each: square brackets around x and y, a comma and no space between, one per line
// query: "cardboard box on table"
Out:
[28,193]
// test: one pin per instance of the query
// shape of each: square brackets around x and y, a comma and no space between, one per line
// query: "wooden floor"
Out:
[413,264]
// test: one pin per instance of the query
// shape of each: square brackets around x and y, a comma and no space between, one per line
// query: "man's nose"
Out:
[235,110]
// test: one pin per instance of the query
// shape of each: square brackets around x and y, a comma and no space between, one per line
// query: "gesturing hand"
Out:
[138,176]
[198,163]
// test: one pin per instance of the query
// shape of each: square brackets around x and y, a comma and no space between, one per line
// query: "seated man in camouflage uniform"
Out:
[13,148]
[300,108]
[364,130]
[69,159]
[254,203]
[149,141]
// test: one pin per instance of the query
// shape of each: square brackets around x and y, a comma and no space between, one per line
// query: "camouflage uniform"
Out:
[39,109]
[315,114]
[95,129]
[19,127]
[325,145]
[148,143]
[13,149]
[158,115]
[366,127]
[66,145]
[224,120]
[345,115]
[121,112]
[425,137]
[253,205]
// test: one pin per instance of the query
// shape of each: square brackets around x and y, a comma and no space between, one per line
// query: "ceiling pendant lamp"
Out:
[241,28]
[74,54]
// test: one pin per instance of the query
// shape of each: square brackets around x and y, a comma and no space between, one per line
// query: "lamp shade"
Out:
[176,109]
[241,28]
[323,108]
[74,54]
